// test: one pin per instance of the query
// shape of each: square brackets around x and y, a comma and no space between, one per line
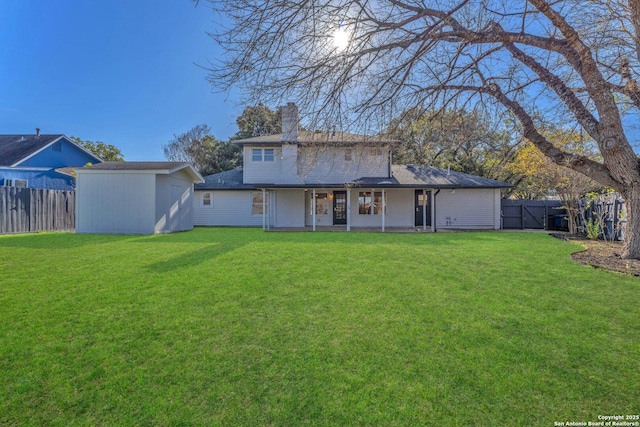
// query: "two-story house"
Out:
[41,161]
[334,179]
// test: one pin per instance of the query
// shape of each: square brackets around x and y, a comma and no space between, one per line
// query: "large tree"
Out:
[465,141]
[107,152]
[258,120]
[566,62]
[204,151]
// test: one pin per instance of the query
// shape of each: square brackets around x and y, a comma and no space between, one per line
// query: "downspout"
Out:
[264,210]
[313,208]
[433,211]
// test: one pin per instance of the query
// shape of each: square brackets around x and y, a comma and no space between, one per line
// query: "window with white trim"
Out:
[207,199]
[18,183]
[366,206]
[322,204]
[375,152]
[256,202]
[262,155]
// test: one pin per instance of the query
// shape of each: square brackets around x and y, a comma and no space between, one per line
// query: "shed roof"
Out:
[163,168]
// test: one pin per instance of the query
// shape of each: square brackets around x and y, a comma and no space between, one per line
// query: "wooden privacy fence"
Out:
[533,214]
[24,210]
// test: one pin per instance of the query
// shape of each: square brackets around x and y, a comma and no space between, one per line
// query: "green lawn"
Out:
[240,327]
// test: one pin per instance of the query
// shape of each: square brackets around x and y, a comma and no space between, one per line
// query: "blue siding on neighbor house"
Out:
[59,154]
[41,178]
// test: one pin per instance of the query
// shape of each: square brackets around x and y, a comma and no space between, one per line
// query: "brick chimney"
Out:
[290,122]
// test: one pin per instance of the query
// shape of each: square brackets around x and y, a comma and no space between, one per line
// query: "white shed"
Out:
[135,197]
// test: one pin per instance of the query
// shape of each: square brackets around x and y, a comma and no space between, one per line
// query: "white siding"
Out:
[229,208]
[119,203]
[261,172]
[328,164]
[289,211]
[467,209]
[399,212]
[174,204]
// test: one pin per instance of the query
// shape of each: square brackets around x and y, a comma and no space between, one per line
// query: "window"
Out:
[256,202]
[19,183]
[364,202]
[377,203]
[375,152]
[262,155]
[322,204]
[347,154]
[365,205]
[207,199]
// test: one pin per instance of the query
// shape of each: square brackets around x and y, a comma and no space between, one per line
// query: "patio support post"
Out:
[433,211]
[348,209]
[424,210]
[313,208]
[383,206]
[264,209]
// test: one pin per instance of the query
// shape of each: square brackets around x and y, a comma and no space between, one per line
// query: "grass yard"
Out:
[240,327]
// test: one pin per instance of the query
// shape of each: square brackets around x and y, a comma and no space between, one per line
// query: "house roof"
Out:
[163,168]
[15,148]
[319,137]
[422,175]
[227,180]
[403,176]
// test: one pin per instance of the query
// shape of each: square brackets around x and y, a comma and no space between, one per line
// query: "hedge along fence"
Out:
[25,210]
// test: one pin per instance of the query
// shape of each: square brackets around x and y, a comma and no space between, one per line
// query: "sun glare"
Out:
[340,39]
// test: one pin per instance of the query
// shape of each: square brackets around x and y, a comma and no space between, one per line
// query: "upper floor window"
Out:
[262,155]
[375,152]
[20,183]
[347,154]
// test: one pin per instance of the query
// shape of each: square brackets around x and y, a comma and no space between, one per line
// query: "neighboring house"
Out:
[41,161]
[340,180]
[135,197]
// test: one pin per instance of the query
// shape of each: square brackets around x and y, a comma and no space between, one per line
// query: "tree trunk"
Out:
[632,232]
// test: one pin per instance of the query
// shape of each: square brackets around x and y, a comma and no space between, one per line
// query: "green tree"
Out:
[204,151]
[258,120]
[107,152]
[465,141]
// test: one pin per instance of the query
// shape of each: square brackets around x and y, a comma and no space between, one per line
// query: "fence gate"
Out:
[532,214]
[534,217]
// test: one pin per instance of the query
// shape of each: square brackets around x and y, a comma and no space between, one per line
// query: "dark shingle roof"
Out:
[14,148]
[325,138]
[404,176]
[428,176]
[227,180]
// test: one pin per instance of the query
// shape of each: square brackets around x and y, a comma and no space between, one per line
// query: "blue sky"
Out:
[119,71]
